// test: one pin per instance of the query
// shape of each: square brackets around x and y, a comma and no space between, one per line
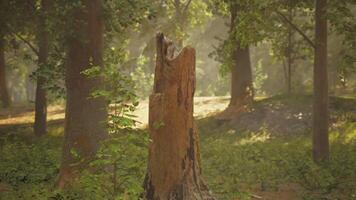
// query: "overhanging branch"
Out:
[33,48]
[187,6]
[306,38]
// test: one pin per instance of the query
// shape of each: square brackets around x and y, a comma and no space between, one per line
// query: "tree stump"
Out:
[173,166]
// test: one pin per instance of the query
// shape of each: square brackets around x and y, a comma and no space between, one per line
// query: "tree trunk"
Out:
[4,94]
[241,73]
[40,125]
[173,166]
[290,52]
[320,101]
[85,116]
[241,79]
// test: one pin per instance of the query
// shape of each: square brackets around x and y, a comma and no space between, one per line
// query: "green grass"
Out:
[237,162]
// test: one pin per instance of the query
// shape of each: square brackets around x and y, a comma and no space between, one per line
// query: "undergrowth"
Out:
[237,163]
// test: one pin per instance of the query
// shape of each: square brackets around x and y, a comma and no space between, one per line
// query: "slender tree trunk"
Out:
[241,74]
[174,171]
[289,59]
[4,94]
[285,71]
[40,125]
[85,116]
[290,53]
[181,15]
[320,102]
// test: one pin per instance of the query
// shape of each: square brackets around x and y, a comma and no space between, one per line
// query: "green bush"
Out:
[28,170]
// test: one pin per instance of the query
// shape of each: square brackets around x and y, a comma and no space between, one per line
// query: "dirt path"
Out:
[23,115]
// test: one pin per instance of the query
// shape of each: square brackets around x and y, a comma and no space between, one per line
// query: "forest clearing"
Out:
[177,100]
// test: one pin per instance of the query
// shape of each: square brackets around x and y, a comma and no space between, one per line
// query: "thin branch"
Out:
[176,4]
[187,6]
[33,48]
[306,38]
[58,51]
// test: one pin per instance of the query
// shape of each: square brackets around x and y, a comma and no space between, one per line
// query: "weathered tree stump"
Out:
[173,166]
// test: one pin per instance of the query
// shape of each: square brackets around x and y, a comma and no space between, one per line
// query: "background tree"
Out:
[241,73]
[5,98]
[288,46]
[40,125]
[18,18]
[342,65]
[86,48]
[7,20]
[233,53]
[321,97]
[85,116]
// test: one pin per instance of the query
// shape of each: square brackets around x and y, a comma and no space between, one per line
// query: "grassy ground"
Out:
[262,154]
[267,152]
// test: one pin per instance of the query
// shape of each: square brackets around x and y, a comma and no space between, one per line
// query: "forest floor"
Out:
[264,153]
[19,114]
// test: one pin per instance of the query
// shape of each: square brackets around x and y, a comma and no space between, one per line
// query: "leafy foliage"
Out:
[342,19]
[28,168]
[118,164]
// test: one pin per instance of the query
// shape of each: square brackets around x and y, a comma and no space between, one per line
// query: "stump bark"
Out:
[173,166]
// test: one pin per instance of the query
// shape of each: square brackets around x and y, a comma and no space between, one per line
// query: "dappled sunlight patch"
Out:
[203,107]
[255,137]
[24,118]
[235,156]
[56,113]
[298,141]
[231,131]
[350,132]
[26,115]
[345,135]
[286,191]
[260,136]
[56,131]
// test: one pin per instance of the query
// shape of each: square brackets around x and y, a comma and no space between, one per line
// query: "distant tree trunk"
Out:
[320,101]
[290,53]
[181,16]
[241,74]
[174,171]
[30,90]
[180,19]
[85,116]
[4,94]
[40,125]
[285,72]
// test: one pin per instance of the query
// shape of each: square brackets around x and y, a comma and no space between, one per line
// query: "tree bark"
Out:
[320,100]
[241,79]
[85,116]
[173,166]
[4,94]
[40,126]
[241,74]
